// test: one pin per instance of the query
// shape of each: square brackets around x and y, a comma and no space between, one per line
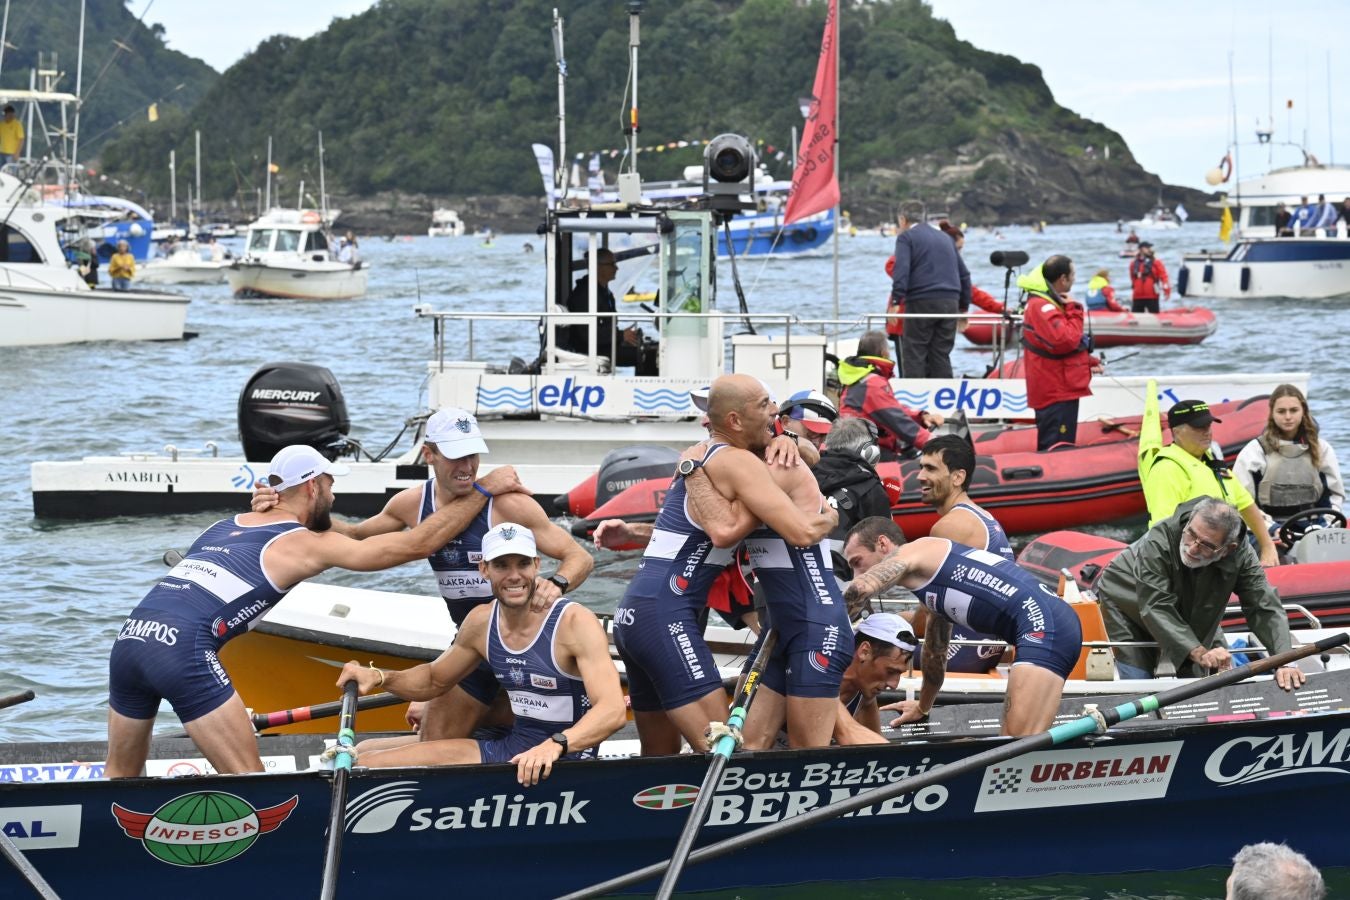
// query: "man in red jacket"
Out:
[1058,365]
[1147,275]
[867,394]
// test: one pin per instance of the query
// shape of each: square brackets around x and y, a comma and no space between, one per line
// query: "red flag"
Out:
[814,186]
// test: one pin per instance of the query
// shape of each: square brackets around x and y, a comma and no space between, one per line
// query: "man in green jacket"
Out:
[1172,585]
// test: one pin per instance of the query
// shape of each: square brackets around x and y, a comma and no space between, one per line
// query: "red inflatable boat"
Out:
[1183,325]
[1323,588]
[1093,482]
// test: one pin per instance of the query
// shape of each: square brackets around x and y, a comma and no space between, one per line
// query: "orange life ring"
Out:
[1226,166]
[310,215]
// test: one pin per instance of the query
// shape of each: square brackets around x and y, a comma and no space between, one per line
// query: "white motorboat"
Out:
[289,253]
[191,264]
[1160,218]
[1306,264]
[45,300]
[446,223]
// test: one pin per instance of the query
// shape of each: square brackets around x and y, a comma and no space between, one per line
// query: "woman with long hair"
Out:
[1290,468]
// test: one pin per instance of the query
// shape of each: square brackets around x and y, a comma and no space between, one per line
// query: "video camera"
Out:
[729,164]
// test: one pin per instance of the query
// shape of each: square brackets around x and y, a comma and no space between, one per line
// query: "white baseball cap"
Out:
[299,463]
[455,433]
[890,628]
[508,538]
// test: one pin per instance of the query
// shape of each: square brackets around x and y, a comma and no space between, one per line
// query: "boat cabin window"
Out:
[1264,215]
[315,241]
[260,240]
[16,248]
[288,240]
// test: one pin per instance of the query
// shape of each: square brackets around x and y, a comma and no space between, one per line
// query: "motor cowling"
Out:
[627,466]
[292,403]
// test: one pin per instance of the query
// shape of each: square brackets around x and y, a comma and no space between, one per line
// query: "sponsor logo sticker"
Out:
[42,827]
[1079,777]
[203,828]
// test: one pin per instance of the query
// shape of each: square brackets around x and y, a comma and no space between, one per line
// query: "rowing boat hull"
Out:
[269,830]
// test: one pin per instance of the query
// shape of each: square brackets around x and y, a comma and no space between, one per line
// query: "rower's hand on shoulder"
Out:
[696,451]
[1290,677]
[783,451]
[536,763]
[545,592]
[366,678]
[909,712]
[264,497]
[612,533]
[503,480]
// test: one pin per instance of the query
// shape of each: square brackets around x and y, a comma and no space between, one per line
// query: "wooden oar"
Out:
[30,874]
[16,699]
[721,752]
[1059,734]
[342,770]
[320,711]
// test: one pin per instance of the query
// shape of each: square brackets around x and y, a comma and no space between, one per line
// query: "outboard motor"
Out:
[292,403]
[627,466]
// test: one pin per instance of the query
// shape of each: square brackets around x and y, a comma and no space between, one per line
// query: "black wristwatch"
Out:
[562,583]
[687,467]
[561,740]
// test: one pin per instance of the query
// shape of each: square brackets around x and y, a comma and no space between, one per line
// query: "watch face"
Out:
[687,467]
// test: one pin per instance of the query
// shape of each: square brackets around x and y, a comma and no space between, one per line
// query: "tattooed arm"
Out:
[884,574]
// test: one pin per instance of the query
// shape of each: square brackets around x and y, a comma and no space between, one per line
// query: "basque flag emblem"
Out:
[666,796]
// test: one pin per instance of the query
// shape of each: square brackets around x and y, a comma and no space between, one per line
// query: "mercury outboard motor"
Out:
[292,403]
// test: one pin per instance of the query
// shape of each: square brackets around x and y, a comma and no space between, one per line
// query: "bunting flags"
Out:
[814,185]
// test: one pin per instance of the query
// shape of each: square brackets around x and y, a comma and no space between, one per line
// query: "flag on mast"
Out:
[1226,225]
[814,185]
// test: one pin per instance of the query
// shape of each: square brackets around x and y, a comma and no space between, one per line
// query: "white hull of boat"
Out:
[1294,279]
[171,272]
[32,316]
[316,281]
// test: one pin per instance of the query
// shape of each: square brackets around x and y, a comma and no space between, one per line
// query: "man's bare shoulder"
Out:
[517,507]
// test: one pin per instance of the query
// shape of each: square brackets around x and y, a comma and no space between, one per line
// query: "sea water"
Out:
[68,585]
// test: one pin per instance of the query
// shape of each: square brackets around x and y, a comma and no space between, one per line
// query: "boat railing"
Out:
[787,323]
[174,451]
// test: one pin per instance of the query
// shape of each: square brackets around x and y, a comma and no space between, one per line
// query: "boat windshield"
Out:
[315,241]
[260,240]
[288,240]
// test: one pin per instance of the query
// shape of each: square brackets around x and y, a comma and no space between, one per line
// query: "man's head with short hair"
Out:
[510,563]
[451,448]
[911,211]
[1210,534]
[1058,272]
[853,435]
[883,649]
[946,468]
[870,541]
[9,110]
[303,479]
[874,343]
[1268,871]
[741,411]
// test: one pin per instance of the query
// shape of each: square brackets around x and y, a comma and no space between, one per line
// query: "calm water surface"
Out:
[68,585]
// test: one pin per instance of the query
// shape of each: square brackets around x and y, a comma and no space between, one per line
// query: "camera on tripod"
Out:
[729,164]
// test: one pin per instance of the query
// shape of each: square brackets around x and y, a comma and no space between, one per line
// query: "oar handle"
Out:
[320,711]
[10,851]
[16,699]
[342,770]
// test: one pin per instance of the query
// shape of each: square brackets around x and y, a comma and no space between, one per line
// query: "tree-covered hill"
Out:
[126,65]
[444,98]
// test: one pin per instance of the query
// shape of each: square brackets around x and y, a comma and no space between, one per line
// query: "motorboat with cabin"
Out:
[445,223]
[1305,264]
[187,263]
[45,300]
[290,253]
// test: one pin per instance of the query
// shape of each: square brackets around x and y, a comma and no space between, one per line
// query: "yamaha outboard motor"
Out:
[627,466]
[292,403]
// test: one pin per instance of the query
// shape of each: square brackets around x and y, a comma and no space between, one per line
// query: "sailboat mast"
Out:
[839,9]
[4,32]
[268,199]
[199,170]
[173,189]
[79,84]
[323,190]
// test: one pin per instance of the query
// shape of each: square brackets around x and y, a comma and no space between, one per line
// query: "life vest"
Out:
[1095,298]
[1142,270]
[1290,483]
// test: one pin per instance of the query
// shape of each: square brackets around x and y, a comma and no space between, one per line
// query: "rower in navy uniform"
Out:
[553,663]
[451,450]
[987,593]
[234,572]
